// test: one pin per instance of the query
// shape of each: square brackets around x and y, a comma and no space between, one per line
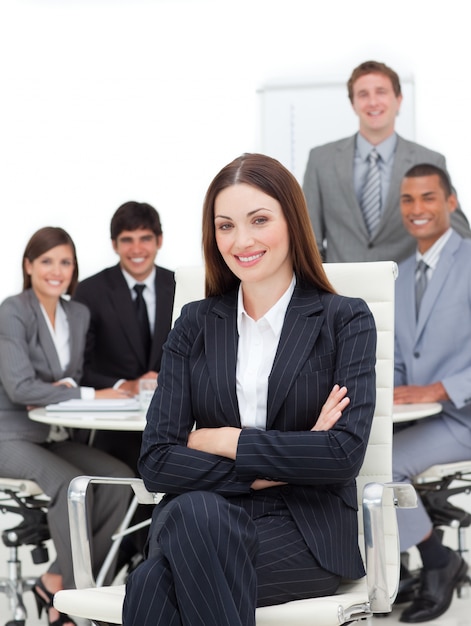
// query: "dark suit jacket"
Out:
[114,349]
[336,214]
[326,339]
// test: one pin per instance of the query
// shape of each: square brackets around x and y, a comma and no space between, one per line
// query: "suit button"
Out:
[416,355]
[286,489]
[371,245]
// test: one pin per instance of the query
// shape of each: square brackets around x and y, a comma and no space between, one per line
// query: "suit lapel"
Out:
[439,277]
[300,331]
[344,159]
[405,298]
[221,339]
[45,339]
[76,334]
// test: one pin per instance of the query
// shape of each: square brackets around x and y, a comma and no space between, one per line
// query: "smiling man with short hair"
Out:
[352,185]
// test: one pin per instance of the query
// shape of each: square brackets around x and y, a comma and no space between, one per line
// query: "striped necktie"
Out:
[371,194]
[421,281]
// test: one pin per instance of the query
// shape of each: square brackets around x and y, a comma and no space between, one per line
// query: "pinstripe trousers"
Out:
[212,560]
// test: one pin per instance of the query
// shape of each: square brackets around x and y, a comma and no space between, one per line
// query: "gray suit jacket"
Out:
[336,214]
[29,363]
[438,346]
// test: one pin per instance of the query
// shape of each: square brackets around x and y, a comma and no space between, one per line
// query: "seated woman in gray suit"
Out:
[42,340]
[261,498]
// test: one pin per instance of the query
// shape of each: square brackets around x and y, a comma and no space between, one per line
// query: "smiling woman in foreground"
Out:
[277,373]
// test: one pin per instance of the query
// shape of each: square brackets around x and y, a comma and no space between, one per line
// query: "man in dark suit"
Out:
[117,353]
[352,185]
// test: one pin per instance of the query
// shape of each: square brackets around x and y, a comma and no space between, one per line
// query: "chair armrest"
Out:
[79,527]
[379,499]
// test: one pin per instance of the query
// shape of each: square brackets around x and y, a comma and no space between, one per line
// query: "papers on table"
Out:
[128,404]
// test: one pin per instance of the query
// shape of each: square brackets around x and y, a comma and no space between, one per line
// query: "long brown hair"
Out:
[43,240]
[271,177]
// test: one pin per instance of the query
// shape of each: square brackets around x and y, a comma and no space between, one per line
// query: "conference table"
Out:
[135,420]
[411,412]
[132,420]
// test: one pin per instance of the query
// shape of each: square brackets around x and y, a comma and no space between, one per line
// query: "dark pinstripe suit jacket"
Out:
[326,339]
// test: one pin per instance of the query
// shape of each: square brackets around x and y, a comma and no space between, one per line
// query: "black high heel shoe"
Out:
[46,603]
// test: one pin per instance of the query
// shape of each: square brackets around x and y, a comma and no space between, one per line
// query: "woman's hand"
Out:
[221,441]
[332,410]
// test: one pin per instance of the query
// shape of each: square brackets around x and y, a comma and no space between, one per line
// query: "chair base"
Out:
[20,499]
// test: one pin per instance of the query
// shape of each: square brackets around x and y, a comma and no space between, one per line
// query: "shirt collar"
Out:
[385,149]
[149,282]
[275,316]
[432,256]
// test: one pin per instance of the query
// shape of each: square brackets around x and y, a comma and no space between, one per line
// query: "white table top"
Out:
[136,420]
[408,412]
[95,420]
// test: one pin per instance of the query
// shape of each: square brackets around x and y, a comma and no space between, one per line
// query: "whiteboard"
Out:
[296,118]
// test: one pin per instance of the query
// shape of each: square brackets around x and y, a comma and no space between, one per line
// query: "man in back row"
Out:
[352,185]
[432,364]
[131,307]
[118,352]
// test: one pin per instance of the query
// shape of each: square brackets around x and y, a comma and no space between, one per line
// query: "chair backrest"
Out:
[374,283]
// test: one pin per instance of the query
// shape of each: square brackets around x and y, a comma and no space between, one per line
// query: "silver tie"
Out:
[371,194]
[420,284]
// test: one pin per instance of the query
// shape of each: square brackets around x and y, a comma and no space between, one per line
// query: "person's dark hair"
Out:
[41,242]
[133,215]
[271,177]
[373,67]
[427,169]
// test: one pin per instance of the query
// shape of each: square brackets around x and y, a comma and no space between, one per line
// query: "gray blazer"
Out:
[438,346]
[29,363]
[336,214]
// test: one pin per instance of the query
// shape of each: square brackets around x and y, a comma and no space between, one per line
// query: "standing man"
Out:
[432,364]
[352,185]
[118,353]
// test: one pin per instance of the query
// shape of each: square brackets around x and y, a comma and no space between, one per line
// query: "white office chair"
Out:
[23,498]
[378,539]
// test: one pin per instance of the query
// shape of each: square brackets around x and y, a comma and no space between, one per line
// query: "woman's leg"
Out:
[200,569]
[108,504]
[53,467]
[286,569]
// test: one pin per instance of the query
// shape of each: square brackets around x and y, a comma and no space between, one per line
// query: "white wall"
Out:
[103,101]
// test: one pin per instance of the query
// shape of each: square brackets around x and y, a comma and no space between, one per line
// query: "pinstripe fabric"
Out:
[326,339]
